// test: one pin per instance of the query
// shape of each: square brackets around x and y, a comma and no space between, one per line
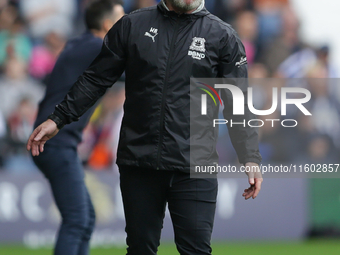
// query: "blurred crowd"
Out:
[34,32]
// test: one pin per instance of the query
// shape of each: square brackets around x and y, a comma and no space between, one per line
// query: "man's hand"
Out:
[40,135]
[255,180]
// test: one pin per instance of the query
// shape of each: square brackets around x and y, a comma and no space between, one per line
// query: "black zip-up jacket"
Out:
[154,46]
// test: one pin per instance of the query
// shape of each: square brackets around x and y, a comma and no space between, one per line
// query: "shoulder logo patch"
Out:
[242,62]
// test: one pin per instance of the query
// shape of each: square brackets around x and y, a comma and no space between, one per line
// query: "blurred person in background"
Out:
[131,5]
[2,138]
[59,162]
[21,120]
[323,55]
[227,10]
[246,26]
[320,150]
[8,14]
[101,141]
[20,123]
[45,55]
[16,84]
[13,40]
[46,16]
[19,93]
[325,106]
[145,3]
[283,40]
[270,18]
[3,3]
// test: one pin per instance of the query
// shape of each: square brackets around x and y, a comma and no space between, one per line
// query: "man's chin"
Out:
[185,5]
[188,2]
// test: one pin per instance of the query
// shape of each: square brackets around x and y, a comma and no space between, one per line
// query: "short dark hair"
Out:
[97,10]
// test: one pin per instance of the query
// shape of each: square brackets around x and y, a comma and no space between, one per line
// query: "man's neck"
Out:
[172,8]
[98,33]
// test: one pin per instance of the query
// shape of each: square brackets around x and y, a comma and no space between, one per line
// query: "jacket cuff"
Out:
[58,119]
[251,160]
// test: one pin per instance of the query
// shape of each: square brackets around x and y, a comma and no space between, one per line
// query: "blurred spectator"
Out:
[45,55]
[246,26]
[21,120]
[2,139]
[323,56]
[228,9]
[300,62]
[258,71]
[270,18]
[46,16]
[8,13]
[15,85]
[2,126]
[320,150]
[145,3]
[325,107]
[277,49]
[20,124]
[262,91]
[13,41]
[3,3]
[296,65]
[99,146]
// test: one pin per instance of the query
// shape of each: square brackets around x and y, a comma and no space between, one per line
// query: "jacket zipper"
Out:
[165,87]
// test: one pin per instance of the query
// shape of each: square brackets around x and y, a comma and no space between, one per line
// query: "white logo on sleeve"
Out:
[197,48]
[242,62]
[152,33]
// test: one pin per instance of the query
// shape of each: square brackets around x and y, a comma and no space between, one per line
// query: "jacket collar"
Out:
[200,11]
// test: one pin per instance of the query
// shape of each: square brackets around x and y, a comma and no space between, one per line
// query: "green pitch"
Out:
[281,248]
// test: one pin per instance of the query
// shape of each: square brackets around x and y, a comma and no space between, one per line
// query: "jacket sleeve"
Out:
[233,66]
[103,72]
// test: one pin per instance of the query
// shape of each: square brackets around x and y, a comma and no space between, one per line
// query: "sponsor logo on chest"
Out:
[197,48]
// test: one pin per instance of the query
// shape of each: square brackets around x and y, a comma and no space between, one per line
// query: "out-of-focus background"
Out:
[284,39]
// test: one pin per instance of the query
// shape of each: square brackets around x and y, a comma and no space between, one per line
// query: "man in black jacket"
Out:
[59,162]
[156,48]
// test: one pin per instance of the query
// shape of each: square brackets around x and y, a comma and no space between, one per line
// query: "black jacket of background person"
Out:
[77,55]
[155,132]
